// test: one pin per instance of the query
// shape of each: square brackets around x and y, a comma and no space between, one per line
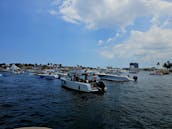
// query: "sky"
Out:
[89,33]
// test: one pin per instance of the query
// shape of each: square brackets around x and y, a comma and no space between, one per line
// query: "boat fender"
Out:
[79,87]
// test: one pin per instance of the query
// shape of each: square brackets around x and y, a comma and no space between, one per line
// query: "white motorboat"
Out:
[48,76]
[15,69]
[115,78]
[159,72]
[98,87]
[156,73]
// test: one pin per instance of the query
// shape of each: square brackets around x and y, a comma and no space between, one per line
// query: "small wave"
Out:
[7,105]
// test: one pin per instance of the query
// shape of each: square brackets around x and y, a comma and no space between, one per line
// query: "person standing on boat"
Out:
[77,78]
[86,78]
[74,77]
[94,78]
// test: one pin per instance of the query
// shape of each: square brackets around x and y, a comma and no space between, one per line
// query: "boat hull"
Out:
[78,86]
[115,78]
[48,77]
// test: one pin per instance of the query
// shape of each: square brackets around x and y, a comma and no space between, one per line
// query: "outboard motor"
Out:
[135,78]
[101,85]
[59,77]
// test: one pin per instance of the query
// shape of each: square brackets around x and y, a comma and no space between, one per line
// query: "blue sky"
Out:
[82,32]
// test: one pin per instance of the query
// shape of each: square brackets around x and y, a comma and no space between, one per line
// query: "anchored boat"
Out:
[48,76]
[84,85]
[116,78]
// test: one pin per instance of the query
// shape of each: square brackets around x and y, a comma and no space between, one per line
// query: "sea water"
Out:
[27,100]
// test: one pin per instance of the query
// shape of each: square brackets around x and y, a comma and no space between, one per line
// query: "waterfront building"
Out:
[134,68]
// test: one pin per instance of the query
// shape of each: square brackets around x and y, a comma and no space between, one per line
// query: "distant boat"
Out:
[156,73]
[115,78]
[48,76]
[15,69]
[159,72]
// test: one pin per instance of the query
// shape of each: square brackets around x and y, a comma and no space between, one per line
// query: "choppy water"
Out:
[27,100]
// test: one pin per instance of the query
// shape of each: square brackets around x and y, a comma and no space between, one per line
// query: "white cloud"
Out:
[52,12]
[109,13]
[56,2]
[115,37]
[144,46]
[107,54]
[155,43]
[100,42]
[69,12]
[109,40]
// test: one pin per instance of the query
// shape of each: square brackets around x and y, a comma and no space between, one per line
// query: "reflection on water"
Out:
[27,100]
